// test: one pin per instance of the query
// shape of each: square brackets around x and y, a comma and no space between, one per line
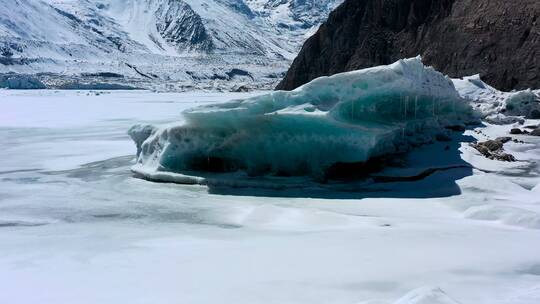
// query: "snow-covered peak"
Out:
[267,28]
[293,14]
[270,29]
[188,41]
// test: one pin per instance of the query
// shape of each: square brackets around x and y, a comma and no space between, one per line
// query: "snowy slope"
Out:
[159,37]
[33,30]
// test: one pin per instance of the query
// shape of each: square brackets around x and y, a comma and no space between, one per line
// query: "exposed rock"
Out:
[516,131]
[492,145]
[182,27]
[103,74]
[503,139]
[506,157]
[535,132]
[238,72]
[493,149]
[499,39]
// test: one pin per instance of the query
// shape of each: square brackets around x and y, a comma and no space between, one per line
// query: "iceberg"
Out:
[347,118]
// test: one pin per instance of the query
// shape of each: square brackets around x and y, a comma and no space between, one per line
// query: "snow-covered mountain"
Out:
[176,40]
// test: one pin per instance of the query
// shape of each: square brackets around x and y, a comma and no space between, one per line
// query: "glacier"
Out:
[342,119]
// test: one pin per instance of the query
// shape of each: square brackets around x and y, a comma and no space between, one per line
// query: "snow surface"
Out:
[496,106]
[346,118]
[77,227]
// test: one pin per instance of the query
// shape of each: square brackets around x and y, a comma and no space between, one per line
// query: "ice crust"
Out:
[346,118]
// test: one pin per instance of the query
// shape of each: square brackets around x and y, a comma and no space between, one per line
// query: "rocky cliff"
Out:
[499,39]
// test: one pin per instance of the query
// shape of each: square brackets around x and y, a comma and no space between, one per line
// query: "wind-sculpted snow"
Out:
[426,295]
[345,118]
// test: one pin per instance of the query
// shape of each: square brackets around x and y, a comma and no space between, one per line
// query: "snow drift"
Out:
[345,118]
[426,295]
[499,107]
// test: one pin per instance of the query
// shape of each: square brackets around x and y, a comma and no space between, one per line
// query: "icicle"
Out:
[352,111]
[406,102]
[415,106]
[400,104]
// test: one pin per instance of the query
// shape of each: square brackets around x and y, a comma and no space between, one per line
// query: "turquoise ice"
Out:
[346,118]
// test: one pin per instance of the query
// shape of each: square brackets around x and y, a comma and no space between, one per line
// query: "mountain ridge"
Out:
[175,40]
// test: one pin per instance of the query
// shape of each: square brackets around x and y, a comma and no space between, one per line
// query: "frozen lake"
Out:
[77,227]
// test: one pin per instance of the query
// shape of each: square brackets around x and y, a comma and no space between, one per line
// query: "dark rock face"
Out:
[181,26]
[499,39]
[516,131]
[535,132]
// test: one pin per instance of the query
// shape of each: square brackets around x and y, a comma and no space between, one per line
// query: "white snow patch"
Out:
[92,233]
[496,106]
[505,214]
